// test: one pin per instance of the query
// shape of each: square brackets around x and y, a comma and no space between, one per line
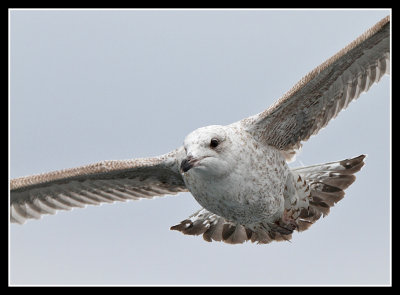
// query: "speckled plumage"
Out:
[237,173]
[250,187]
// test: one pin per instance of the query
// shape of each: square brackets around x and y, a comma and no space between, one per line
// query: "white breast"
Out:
[251,192]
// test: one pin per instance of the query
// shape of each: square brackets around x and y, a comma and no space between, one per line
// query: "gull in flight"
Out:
[238,173]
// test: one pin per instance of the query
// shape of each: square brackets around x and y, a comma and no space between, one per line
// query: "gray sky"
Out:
[87,86]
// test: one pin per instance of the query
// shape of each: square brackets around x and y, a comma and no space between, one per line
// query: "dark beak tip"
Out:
[186,165]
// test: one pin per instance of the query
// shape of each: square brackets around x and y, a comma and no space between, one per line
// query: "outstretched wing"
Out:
[106,181]
[320,95]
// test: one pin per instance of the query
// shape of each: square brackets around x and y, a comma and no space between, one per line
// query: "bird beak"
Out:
[188,163]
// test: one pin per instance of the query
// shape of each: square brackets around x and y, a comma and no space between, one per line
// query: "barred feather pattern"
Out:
[216,228]
[326,184]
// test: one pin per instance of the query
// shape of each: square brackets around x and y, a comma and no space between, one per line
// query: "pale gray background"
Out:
[87,86]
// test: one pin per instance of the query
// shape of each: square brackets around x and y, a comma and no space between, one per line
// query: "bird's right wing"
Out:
[106,181]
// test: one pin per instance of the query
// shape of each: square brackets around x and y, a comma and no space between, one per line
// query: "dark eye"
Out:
[214,142]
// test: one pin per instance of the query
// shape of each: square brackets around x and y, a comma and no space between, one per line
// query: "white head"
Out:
[209,151]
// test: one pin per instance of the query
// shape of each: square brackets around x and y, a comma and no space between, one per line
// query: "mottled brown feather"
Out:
[104,182]
[320,95]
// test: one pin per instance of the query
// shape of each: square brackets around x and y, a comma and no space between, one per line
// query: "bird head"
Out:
[208,151]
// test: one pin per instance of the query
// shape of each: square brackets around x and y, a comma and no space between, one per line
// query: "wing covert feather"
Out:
[320,95]
[103,182]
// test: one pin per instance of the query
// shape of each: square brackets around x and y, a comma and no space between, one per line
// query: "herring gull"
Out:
[238,173]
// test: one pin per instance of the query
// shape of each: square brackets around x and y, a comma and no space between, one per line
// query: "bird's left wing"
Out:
[324,92]
[106,181]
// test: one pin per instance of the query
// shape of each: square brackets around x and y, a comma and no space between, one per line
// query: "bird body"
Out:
[240,179]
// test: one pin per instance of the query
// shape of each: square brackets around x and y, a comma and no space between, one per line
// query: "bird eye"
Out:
[214,142]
